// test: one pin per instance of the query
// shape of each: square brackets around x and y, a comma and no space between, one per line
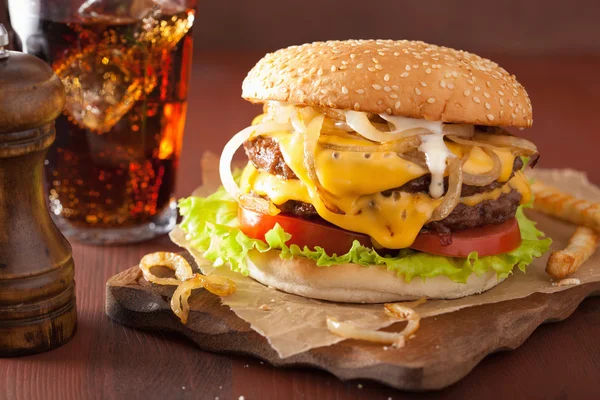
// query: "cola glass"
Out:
[125,65]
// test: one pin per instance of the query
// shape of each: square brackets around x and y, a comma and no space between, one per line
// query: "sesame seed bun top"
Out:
[406,78]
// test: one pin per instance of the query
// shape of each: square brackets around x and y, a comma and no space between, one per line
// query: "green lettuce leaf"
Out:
[211,226]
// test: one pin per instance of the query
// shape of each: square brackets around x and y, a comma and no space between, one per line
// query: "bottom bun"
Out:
[351,283]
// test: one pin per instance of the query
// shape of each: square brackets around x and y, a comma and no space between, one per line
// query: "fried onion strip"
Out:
[185,280]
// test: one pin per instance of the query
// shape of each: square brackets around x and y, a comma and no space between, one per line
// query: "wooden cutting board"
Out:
[446,348]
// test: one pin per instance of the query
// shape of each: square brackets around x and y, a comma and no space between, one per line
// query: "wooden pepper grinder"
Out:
[37,289]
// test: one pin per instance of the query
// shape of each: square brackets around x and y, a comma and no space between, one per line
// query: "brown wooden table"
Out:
[106,360]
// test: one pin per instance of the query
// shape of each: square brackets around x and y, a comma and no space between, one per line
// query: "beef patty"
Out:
[265,154]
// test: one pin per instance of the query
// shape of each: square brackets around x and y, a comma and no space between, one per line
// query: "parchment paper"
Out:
[294,324]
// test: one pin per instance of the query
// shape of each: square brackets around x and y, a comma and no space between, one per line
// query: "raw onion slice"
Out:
[488,177]
[452,196]
[361,124]
[402,124]
[286,113]
[254,203]
[311,140]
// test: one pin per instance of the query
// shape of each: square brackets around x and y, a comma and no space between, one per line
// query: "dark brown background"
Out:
[554,49]
[484,26]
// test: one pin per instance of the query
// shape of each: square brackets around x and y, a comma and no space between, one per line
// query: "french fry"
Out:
[550,200]
[581,246]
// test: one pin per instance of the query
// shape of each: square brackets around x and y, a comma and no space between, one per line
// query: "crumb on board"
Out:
[567,281]
[264,307]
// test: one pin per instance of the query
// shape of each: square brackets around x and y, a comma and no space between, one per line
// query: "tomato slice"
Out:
[304,232]
[486,241]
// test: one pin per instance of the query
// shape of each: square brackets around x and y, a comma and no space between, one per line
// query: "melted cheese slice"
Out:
[356,182]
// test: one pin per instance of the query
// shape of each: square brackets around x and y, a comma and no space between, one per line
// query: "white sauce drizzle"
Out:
[436,154]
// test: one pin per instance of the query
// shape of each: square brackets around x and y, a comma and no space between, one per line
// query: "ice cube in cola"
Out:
[126,75]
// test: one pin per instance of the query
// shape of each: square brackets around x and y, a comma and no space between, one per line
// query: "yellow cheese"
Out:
[480,163]
[520,183]
[355,183]
[491,195]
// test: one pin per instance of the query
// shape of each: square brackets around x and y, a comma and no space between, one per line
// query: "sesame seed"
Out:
[488,106]
[490,117]
[489,84]
[371,69]
[431,100]
[510,103]
[450,85]
[477,88]
[394,87]
[404,75]
[376,87]
[360,91]
[502,102]
[333,68]
[379,67]
[467,92]
[417,91]
[476,100]
[344,90]
[428,71]
[397,105]
[423,84]
[356,106]
[407,67]
[386,77]
[320,71]
[342,67]
[393,96]
[352,56]
[455,74]
[375,60]
[447,75]
[379,102]
[470,82]
[388,110]
[513,115]
[387,89]
[443,83]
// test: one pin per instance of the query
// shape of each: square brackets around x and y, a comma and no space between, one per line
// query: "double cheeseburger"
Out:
[378,171]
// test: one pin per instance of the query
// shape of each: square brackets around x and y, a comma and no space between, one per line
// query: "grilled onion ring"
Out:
[452,196]
[488,177]
[311,141]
